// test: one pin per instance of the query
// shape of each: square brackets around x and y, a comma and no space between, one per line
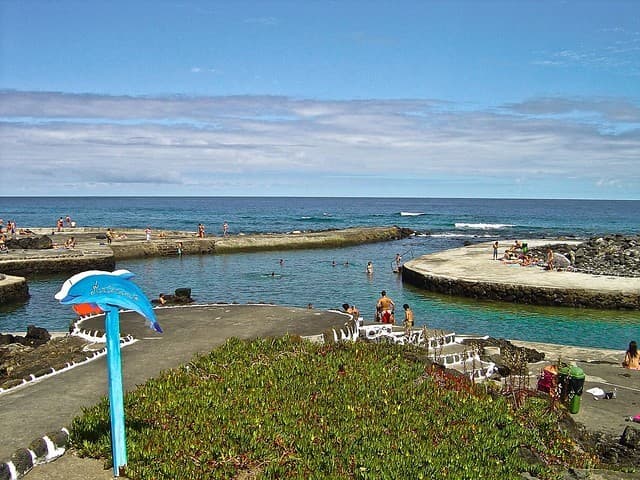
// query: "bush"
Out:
[284,408]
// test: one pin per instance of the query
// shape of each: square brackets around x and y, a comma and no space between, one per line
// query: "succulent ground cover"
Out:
[287,408]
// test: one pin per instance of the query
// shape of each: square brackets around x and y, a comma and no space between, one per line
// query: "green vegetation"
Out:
[286,408]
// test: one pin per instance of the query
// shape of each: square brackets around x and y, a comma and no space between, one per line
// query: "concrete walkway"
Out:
[474,263]
[470,271]
[29,412]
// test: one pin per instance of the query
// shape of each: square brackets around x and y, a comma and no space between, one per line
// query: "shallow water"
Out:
[309,276]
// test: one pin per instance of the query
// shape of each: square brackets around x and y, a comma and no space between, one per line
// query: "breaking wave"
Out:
[484,226]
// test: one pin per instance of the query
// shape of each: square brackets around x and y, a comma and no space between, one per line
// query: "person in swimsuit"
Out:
[385,308]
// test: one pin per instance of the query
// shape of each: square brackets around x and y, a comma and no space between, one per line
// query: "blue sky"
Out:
[519,99]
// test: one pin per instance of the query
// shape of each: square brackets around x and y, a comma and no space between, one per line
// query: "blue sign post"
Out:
[111,291]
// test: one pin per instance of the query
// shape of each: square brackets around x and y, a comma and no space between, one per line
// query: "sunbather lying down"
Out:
[522,260]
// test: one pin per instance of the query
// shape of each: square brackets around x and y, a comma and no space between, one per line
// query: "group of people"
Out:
[60,223]
[516,253]
[10,229]
[201,230]
[385,311]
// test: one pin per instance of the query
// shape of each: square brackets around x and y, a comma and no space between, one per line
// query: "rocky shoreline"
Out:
[616,255]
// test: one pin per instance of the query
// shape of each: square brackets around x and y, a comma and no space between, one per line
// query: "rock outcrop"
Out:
[42,242]
[617,255]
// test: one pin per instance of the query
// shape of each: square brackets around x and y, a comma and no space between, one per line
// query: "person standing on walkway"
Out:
[385,308]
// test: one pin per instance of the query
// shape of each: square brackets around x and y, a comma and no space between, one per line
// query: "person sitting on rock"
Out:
[70,243]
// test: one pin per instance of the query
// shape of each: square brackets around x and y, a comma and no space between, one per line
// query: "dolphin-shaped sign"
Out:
[106,289]
[110,291]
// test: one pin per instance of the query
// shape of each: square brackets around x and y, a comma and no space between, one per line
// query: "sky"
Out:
[491,99]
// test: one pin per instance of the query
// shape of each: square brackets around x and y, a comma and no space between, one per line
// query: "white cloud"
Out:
[190,144]
[617,51]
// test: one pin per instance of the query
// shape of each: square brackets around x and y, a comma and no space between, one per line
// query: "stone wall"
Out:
[522,293]
[13,289]
[42,265]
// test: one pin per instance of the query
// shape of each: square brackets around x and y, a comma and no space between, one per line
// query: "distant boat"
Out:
[411,214]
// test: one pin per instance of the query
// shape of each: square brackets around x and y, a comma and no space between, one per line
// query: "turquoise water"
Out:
[309,277]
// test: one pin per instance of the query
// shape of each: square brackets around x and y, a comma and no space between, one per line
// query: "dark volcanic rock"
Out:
[30,243]
[36,336]
[616,255]
[631,437]
[19,361]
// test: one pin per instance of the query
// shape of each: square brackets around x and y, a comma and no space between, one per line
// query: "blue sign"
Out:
[111,291]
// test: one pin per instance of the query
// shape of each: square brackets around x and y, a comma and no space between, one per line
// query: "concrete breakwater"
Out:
[470,272]
[189,245]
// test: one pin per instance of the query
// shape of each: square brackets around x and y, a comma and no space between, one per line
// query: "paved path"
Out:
[602,369]
[32,411]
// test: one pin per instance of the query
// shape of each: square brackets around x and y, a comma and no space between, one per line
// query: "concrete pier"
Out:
[470,272]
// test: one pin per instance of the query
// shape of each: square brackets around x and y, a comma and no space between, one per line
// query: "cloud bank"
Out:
[87,144]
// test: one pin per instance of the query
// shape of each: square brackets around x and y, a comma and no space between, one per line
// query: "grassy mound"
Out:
[284,408]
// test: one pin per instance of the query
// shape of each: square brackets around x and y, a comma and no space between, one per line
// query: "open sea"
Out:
[309,276]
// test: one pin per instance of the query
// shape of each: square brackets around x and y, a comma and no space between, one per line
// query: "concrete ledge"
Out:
[46,261]
[13,289]
[470,272]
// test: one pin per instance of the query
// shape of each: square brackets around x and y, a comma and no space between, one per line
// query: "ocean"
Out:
[310,276]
